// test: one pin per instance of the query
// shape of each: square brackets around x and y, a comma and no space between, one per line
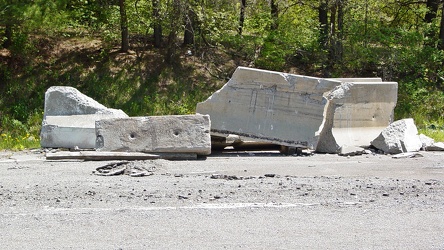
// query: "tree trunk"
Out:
[242,16]
[188,36]
[175,21]
[432,10]
[9,23]
[124,27]
[332,39]
[441,30]
[8,35]
[274,15]
[323,23]
[157,24]
[340,30]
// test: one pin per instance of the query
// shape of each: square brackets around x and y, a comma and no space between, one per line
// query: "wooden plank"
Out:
[106,156]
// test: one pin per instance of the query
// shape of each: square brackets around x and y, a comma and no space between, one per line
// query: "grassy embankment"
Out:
[137,82]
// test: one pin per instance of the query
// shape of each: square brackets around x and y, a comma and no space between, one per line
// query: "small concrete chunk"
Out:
[155,134]
[429,144]
[437,146]
[351,150]
[426,141]
[400,137]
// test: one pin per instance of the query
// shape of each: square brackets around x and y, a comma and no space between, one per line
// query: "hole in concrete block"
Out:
[176,132]
[132,135]
[99,141]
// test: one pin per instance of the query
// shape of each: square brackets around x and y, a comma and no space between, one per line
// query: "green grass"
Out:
[433,131]
[13,142]
[16,135]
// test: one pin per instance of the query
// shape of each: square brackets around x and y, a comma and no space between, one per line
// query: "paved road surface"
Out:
[226,201]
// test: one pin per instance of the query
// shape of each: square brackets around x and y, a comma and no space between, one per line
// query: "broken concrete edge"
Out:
[343,114]
[327,142]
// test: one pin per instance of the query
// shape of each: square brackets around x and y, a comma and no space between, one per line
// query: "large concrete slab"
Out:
[69,118]
[269,106]
[155,134]
[301,111]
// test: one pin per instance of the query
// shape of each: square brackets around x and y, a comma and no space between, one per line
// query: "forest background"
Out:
[154,57]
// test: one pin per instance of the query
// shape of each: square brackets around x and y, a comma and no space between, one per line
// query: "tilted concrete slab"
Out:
[155,134]
[270,106]
[300,111]
[64,101]
[69,118]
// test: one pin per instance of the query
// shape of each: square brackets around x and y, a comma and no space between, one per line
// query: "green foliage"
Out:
[17,135]
[75,43]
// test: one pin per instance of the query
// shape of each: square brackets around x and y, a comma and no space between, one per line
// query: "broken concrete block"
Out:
[70,131]
[436,146]
[155,134]
[63,100]
[360,110]
[400,137]
[69,118]
[429,144]
[426,141]
[300,111]
[269,106]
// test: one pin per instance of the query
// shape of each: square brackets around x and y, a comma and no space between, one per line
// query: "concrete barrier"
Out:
[69,118]
[361,110]
[155,134]
[300,111]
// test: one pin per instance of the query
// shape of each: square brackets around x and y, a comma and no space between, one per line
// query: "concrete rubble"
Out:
[69,118]
[428,144]
[351,150]
[155,134]
[301,111]
[75,121]
[255,110]
[400,137]
[426,141]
